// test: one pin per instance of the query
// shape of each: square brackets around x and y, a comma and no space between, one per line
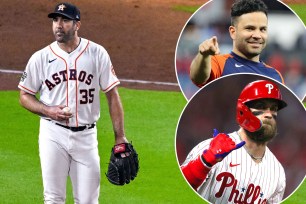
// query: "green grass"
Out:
[150,122]
[189,9]
[299,196]
[299,9]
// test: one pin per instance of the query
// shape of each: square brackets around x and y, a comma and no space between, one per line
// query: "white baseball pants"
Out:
[65,153]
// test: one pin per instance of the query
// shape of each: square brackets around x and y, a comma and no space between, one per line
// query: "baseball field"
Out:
[159,180]
[151,115]
[151,118]
[151,127]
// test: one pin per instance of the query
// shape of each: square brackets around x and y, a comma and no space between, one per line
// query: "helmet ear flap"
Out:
[246,119]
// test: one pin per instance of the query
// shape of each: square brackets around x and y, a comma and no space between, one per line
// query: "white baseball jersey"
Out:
[72,79]
[239,179]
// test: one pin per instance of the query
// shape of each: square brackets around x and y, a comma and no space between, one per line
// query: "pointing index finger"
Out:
[214,40]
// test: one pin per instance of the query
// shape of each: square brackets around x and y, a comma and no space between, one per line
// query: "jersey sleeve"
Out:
[30,81]
[217,66]
[194,169]
[108,78]
[197,150]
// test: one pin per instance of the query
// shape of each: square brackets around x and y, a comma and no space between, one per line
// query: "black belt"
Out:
[76,129]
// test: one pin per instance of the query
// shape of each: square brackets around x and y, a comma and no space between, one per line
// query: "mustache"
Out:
[59,31]
[266,122]
[257,41]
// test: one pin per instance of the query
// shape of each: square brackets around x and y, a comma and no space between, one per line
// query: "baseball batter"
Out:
[69,74]
[239,167]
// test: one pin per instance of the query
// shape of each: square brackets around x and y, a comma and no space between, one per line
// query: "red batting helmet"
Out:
[261,89]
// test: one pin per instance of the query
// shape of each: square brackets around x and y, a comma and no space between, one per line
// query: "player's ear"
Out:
[232,32]
[78,25]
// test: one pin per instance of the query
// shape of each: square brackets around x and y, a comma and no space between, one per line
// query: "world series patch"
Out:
[24,76]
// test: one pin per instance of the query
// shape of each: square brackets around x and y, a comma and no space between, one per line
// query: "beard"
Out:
[266,133]
[63,37]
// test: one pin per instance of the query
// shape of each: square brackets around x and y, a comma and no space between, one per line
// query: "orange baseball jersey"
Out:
[239,179]
[72,79]
[223,65]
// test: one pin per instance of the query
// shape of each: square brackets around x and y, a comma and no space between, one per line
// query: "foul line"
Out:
[123,80]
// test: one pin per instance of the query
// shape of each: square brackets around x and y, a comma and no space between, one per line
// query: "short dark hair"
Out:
[241,7]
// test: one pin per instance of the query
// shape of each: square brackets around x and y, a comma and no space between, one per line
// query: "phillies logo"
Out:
[270,87]
[252,193]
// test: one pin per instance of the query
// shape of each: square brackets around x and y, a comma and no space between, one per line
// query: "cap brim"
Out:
[55,14]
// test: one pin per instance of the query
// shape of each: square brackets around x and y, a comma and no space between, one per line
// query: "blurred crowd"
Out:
[285,50]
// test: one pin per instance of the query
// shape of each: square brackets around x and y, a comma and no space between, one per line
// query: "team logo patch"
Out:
[270,87]
[24,76]
[61,7]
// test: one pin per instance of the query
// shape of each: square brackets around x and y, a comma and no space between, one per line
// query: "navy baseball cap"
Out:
[67,10]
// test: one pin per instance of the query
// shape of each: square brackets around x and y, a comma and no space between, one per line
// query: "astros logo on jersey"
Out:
[61,76]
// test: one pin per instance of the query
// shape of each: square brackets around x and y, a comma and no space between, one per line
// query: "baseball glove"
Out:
[124,164]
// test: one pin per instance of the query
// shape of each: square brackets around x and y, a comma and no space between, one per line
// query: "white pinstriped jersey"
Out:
[238,179]
[72,79]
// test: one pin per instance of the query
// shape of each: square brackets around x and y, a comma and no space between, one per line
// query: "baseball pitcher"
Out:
[69,74]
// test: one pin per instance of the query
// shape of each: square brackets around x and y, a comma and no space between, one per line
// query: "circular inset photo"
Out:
[242,36]
[241,139]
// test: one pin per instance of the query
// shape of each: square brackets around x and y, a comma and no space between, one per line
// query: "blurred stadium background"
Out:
[285,50]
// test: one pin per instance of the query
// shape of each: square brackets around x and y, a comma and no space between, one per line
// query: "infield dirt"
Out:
[140,35]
